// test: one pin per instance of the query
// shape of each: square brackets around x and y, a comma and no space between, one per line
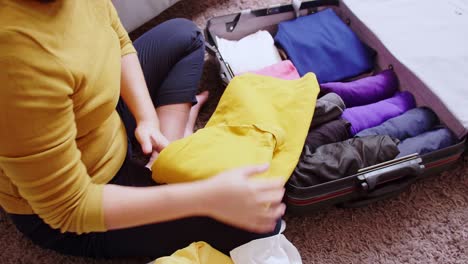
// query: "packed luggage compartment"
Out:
[376,127]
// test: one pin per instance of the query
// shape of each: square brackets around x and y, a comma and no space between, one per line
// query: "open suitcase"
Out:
[370,184]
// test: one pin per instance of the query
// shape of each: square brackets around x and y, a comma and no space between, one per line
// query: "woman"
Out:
[73,100]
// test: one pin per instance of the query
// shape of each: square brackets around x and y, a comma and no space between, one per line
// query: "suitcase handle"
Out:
[384,193]
[387,182]
[377,176]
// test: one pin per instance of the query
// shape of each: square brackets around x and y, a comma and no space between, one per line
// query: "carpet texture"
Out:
[426,224]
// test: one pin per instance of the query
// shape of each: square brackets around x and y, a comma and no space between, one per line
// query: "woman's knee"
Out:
[184,32]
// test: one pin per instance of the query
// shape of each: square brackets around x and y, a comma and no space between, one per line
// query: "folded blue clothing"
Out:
[410,124]
[323,44]
[427,142]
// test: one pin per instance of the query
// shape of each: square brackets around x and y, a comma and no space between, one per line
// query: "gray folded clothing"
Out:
[410,124]
[337,160]
[327,108]
[427,142]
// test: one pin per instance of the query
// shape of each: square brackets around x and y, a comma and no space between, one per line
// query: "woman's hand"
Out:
[233,197]
[150,137]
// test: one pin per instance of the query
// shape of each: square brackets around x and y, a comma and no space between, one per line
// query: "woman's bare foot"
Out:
[201,98]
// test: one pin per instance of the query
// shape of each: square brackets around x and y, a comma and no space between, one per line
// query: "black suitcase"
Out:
[370,184]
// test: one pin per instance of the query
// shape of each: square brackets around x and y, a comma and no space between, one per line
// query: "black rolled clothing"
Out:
[171,56]
[331,132]
[338,160]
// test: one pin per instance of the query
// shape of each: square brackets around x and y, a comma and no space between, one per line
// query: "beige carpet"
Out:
[426,224]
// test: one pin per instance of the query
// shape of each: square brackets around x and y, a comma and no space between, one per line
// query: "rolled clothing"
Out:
[367,116]
[284,70]
[328,107]
[364,91]
[427,142]
[410,124]
[330,132]
[323,44]
[251,53]
[338,160]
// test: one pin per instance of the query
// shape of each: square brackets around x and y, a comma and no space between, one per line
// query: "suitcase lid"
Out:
[430,38]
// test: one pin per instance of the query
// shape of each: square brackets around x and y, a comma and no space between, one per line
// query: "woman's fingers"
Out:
[250,170]
[159,142]
[250,203]
[267,184]
[277,211]
[145,142]
[266,222]
[153,158]
[270,197]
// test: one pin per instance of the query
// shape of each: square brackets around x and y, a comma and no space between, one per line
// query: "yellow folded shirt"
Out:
[195,253]
[259,119]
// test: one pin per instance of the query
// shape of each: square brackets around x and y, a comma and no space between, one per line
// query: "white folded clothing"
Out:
[253,52]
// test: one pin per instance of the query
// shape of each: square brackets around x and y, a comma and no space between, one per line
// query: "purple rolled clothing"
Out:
[371,115]
[364,91]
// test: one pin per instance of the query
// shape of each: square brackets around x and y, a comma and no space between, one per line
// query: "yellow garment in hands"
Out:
[259,119]
[196,253]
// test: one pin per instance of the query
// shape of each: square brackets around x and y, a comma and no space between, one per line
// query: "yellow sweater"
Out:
[60,136]
[259,119]
[195,253]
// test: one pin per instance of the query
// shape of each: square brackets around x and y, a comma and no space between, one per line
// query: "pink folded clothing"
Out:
[282,70]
